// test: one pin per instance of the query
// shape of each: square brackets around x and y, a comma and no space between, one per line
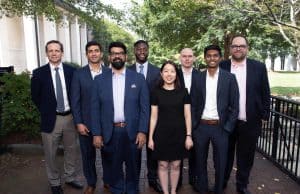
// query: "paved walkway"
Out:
[24,173]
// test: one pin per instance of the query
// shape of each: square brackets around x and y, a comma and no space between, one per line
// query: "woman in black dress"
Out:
[170,126]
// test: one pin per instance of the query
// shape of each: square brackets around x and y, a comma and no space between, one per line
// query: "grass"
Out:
[285,83]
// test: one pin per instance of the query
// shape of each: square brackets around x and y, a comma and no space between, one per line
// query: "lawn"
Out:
[285,83]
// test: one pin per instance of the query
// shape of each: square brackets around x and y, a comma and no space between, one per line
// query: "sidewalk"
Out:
[24,173]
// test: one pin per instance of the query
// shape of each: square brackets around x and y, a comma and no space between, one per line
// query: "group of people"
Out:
[177,112]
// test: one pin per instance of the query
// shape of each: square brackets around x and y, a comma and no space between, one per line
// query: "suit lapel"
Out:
[109,92]
[203,88]
[127,86]
[50,81]
[220,83]
[87,72]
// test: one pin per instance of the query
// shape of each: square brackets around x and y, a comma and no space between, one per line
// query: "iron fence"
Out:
[279,141]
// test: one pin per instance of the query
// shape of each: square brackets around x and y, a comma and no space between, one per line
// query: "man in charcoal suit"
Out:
[254,108]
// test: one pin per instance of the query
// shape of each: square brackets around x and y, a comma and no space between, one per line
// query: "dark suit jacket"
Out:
[227,99]
[194,75]
[257,91]
[136,105]
[43,94]
[153,74]
[81,95]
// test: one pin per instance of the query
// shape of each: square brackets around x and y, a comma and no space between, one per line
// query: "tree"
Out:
[176,24]
[284,14]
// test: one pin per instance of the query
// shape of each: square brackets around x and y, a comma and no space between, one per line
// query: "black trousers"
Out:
[242,142]
[203,136]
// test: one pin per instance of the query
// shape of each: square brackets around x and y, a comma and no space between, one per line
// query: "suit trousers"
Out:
[242,142]
[119,150]
[64,131]
[88,154]
[203,135]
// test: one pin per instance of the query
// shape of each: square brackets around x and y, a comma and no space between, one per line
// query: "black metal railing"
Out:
[280,138]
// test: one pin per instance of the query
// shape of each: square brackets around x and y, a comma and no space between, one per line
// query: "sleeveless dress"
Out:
[170,132]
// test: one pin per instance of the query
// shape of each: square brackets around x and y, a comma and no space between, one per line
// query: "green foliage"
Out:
[285,91]
[107,32]
[18,114]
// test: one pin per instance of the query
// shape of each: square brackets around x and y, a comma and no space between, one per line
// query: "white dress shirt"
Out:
[118,84]
[187,76]
[63,83]
[145,69]
[210,111]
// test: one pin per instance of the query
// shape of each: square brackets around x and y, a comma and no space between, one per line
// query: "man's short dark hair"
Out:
[213,47]
[239,35]
[56,42]
[92,43]
[117,44]
[141,42]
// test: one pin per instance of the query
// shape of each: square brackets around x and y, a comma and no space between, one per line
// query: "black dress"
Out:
[170,132]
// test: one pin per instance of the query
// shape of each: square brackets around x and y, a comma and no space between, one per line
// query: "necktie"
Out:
[59,92]
[142,70]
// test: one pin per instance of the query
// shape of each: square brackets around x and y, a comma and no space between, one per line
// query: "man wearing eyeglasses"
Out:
[254,106]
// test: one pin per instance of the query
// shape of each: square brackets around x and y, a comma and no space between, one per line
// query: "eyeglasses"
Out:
[238,47]
[117,54]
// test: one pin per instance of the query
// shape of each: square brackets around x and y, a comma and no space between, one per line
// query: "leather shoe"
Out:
[243,191]
[106,186]
[156,186]
[57,190]
[75,184]
[89,190]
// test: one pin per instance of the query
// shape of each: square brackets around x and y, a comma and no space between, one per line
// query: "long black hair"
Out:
[176,82]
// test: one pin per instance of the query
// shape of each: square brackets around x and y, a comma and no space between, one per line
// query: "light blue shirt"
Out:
[118,83]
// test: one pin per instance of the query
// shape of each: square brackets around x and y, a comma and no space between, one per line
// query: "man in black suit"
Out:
[254,110]
[50,91]
[215,106]
[187,76]
[151,74]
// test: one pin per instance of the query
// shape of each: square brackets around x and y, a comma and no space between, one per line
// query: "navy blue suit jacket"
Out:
[257,91]
[81,95]
[43,94]
[153,73]
[227,99]
[194,75]
[136,105]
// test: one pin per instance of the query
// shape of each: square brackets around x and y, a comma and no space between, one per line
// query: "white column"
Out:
[30,43]
[83,38]
[75,41]
[64,37]
[49,32]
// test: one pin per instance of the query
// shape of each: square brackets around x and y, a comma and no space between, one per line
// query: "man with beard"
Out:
[81,108]
[151,74]
[215,107]
[187,75]
[254,105]
[120,119]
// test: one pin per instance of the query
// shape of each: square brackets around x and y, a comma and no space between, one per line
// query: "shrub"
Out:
[18,113]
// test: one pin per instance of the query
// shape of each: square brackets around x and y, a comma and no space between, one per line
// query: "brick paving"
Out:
[24,173]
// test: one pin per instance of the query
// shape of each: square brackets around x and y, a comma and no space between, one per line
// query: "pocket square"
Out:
[133,86]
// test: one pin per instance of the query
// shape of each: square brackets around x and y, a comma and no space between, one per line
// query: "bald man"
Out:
[187,75]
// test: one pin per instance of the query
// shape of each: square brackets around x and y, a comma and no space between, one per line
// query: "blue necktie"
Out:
[59,92]
[142,70]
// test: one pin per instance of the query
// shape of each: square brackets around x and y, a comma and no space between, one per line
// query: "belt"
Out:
[120,124]
[63,113]
[209,122]
[240,122]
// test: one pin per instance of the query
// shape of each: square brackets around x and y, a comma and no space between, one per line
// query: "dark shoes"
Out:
[57,190]
[156,186]
[89,190]
[243,191]
[75,184]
